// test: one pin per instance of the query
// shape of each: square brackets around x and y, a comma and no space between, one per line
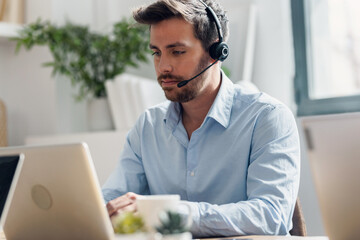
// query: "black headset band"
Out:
[210,12]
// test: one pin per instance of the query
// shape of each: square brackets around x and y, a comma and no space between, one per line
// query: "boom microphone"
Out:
[183,83]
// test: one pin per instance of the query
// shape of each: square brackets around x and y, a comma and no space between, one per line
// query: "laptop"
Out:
[57,196]
[333,147]
[10,167]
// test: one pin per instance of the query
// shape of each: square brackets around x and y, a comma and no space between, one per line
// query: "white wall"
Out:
[26,88]
[274,64]
[27,92]
[41,105]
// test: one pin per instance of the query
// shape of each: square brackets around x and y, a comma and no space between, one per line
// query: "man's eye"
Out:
[156,54]
[178,52]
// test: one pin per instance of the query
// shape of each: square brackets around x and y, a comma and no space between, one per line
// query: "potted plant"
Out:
[173,226]
[88,59]
[128,225]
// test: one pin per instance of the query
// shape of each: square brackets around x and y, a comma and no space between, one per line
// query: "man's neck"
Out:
[195,111]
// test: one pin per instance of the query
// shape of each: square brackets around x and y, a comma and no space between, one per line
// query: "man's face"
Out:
[178,56]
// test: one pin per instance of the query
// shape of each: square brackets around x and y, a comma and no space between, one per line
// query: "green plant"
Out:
[171,223]
[226,70]
[88,58]
[128,223]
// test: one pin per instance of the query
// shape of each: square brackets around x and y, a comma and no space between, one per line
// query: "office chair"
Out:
[299,226]
[3,132]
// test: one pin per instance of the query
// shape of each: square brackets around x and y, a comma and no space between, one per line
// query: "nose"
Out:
[164,64]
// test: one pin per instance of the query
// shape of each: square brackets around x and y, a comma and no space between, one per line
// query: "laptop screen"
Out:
[8,165]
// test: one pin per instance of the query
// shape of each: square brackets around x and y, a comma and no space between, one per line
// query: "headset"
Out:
[218,51]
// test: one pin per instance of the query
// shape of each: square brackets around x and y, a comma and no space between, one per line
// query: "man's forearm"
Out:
[243,218]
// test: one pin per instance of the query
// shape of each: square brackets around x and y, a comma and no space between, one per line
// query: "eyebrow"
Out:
[176,44]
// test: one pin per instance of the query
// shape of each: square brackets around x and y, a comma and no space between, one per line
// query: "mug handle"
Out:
[189,216]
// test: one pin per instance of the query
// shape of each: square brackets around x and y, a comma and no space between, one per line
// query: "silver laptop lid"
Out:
[58,196]
[333,147]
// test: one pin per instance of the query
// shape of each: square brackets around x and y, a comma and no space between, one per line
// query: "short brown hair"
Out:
[193,11]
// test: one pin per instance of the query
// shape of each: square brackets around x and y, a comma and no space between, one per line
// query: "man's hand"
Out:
[125,203]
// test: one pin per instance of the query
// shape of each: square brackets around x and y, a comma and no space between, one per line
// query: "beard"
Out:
[191,90]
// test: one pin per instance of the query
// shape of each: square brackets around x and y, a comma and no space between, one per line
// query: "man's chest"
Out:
[208,166]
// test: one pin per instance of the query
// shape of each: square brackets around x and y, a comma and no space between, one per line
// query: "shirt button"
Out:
[192,174]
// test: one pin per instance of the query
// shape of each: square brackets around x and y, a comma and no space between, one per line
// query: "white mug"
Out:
[150,206]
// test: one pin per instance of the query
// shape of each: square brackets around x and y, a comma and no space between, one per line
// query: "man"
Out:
[232,153]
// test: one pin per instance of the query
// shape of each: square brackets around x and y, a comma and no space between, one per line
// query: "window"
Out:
[327,55]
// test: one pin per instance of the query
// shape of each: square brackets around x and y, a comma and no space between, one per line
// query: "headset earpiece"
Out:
[219,51]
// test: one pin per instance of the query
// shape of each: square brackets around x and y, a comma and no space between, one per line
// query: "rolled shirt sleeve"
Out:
[129,174]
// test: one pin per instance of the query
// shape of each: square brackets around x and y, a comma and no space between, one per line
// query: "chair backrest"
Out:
[299,226]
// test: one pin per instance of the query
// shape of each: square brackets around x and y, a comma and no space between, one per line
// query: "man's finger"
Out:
[119,203]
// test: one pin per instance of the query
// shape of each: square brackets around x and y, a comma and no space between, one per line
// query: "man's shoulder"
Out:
[152,116]
[156,112]
[254,100]
[160,108]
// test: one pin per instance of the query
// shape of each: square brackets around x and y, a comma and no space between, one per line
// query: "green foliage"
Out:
[171,223]
[87,58]
[128,223]
[226,71]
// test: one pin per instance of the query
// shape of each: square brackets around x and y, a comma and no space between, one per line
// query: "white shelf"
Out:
[9,30]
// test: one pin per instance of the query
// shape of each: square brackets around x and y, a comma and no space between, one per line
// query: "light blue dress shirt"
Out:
[239,171]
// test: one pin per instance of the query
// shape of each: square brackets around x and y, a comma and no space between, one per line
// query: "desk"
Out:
[2,237]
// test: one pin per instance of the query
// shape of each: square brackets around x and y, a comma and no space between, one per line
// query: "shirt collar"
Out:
[172,116]
[220,110]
